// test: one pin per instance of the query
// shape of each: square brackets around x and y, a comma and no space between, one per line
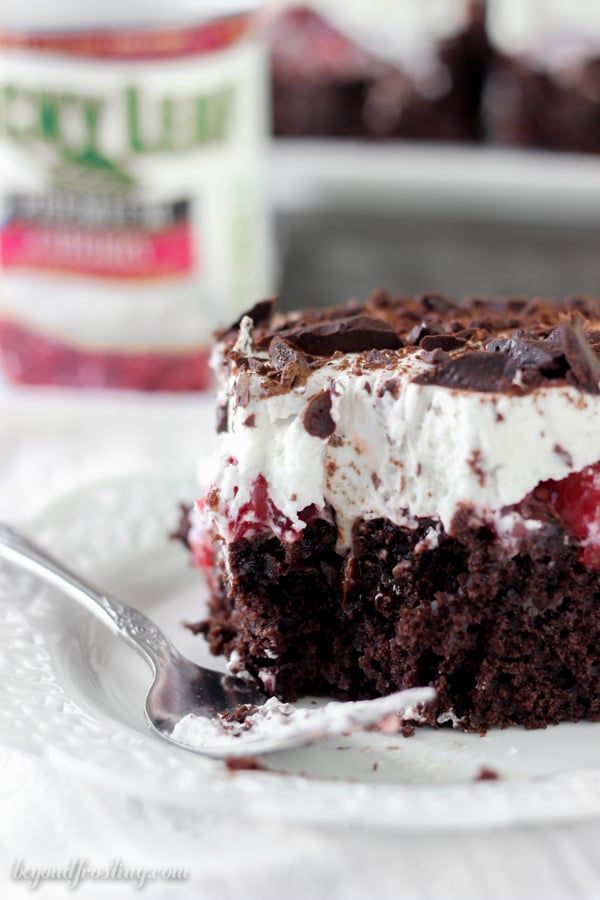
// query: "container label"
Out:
[130,182]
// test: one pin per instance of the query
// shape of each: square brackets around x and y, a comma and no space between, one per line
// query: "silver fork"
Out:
[181,689]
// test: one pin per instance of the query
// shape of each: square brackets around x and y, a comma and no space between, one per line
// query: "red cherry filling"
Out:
[259,513]
[201,544]
[576,501]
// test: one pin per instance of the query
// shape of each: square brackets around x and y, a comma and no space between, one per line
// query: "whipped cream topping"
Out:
[551,33]
[403,32]
[400,450]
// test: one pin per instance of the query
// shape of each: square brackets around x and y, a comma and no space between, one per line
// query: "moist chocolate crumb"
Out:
[250,421]
[375,479]
[240,714]
[197,627]
[335,441]
[317,418]
[487,774]
[243,764]
[467,618]
[182,531]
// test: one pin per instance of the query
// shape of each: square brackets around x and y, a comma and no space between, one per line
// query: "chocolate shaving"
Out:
[441,342]
[530,352]
[352,334]
[475,371]
[317,416]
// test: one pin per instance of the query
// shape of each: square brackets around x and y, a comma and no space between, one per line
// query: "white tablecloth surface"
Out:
[51,443]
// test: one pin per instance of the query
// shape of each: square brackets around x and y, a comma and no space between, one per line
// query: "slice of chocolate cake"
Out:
[404,70]
[409,494]
[544,85]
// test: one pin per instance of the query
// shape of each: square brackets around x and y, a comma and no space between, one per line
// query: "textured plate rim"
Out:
[38,717]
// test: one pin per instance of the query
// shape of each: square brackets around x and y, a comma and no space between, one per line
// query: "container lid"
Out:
[68,15]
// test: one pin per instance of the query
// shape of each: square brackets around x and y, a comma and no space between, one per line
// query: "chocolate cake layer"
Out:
[504,640]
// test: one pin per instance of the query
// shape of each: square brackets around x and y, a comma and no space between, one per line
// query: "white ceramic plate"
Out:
[70,691]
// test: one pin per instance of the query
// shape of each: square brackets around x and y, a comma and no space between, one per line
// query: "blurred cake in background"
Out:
[382,69]
[544,85]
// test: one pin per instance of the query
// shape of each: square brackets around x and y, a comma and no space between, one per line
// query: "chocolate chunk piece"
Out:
[317,416]
[421,330]
[583,362]
[476,371]
[260,313]
[441,342]
[351,334]
[289,361]
[530,352]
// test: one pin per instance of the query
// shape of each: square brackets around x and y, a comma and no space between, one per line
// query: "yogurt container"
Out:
[133,217]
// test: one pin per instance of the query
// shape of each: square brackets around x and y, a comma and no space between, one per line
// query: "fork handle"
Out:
[128,623]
